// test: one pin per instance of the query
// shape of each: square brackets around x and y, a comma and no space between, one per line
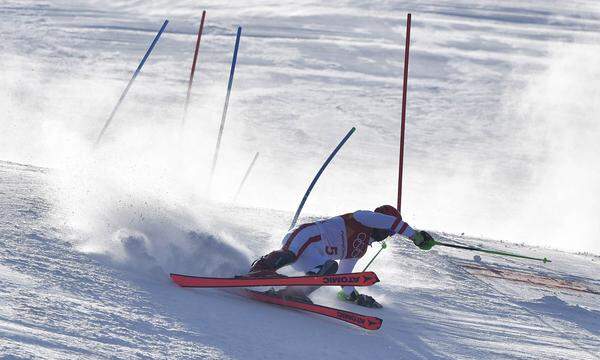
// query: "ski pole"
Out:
[544,260]
[383,246]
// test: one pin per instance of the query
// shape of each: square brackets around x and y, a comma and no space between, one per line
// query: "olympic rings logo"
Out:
[359,245]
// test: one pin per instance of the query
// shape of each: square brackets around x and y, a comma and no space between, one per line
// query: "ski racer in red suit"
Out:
[313,248]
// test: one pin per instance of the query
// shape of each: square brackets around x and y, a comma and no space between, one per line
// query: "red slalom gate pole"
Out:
[401,162]
[189,90]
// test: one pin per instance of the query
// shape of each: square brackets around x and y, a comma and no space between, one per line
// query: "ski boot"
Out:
[267,265]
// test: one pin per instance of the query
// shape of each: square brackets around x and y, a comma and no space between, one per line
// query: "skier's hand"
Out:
[423,240]
[360,299]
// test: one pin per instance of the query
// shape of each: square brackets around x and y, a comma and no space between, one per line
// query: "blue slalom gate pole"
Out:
[314,181]
[224,116]
[135,74]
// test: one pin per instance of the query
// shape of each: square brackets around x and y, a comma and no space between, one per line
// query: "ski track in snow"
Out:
[62,298]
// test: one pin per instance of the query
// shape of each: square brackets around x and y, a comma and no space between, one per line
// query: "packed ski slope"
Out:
[59,302]
[87,238]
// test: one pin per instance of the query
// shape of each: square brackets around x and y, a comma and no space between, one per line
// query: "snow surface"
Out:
[501,143]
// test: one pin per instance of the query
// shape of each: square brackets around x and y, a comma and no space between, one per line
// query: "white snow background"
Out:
[501,144]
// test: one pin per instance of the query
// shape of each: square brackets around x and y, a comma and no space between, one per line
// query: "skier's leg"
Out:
[300,238]
[294,244]
[312,262]
[329,267]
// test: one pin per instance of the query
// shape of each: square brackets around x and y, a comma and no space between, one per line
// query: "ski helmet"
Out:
[388,210]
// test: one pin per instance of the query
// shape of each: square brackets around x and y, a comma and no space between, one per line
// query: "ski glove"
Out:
[423,240]
[359,299]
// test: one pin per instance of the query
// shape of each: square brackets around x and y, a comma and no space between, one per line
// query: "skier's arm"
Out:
[346,267]
[381,221]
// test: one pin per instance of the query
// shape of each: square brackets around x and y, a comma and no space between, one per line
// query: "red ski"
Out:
[353,279]
[365,322]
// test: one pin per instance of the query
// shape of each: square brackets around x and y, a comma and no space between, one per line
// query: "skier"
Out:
[313,248]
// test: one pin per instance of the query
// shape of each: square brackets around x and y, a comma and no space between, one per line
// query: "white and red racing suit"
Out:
[345,238]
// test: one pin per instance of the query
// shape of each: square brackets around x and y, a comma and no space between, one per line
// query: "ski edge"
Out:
[364,321]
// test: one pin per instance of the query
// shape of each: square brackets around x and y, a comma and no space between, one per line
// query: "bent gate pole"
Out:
[314,181]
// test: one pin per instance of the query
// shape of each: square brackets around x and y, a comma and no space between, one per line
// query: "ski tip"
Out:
[373,323]
[177,279]
[376,278]
[370,278]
